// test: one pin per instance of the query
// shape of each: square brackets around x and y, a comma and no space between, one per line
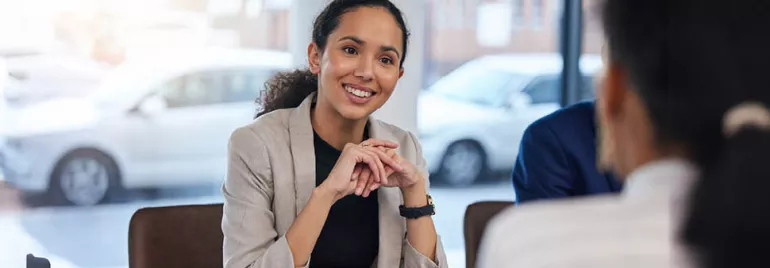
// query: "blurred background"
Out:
[107,106]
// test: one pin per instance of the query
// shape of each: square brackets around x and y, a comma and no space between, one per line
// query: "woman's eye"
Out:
[349,50]
[386,60]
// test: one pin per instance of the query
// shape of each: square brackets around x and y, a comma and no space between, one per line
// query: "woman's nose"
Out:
[364,68]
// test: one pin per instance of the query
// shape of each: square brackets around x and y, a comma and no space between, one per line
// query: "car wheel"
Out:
[83,178]
[463,163]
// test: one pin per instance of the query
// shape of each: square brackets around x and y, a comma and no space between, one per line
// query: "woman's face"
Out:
[359,67]
[605,145]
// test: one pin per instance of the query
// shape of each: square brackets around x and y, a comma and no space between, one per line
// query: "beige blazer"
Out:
[270,176]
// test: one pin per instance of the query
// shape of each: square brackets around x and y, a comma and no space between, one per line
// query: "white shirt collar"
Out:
[665,178]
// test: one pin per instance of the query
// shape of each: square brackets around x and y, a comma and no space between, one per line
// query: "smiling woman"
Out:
[364,201]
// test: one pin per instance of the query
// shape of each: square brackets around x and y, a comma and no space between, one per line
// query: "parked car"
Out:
[159,121]
[471,121]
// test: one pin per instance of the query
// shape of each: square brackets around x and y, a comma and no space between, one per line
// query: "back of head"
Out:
[289,89]
[691,62]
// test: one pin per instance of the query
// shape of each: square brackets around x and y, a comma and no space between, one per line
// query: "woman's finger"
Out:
[374,187]
[370,188]
[381,167]
[387,159]
[351,188]
[371,161]
[365,190]
[383,143]
[364,179]
[391,164]
[357,172]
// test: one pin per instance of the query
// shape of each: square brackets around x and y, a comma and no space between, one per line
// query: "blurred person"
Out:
[558,159]
[315,181]
[685,104]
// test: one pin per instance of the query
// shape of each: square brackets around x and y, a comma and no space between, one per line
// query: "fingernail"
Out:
[358,191]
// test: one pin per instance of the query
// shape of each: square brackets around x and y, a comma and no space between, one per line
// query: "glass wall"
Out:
[493,67]
[145,94]
[122,103]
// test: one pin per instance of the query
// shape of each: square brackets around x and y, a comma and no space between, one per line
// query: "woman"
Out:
[314,181]
[684,103]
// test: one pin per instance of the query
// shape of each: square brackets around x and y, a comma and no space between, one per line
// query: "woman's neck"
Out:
[335,129]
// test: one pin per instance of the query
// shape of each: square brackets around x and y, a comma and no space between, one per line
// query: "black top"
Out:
[350,236]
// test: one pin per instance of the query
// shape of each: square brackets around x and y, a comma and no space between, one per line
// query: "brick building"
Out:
[460,30]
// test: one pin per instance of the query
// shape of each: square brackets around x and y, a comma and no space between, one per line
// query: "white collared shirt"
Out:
[632,229]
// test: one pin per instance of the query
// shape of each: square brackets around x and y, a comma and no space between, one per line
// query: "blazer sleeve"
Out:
[411,257]
[250,239]
[541,170]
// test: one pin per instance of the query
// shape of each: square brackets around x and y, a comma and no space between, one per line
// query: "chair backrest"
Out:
[179,236]
[477,216]
[37,262]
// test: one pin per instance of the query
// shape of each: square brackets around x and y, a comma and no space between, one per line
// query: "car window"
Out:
[483,87]
[544,89]
[245,86]
[194,90]
[547,89]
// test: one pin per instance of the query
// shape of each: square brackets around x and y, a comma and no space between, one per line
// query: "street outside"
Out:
[98,236]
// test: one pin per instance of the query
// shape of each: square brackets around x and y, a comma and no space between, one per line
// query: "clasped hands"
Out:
[364,167]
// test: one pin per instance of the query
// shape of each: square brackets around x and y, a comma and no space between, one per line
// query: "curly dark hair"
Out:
[289,89]
[286,90]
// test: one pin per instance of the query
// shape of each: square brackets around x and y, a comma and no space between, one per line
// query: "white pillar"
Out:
[302,14]
[401,109]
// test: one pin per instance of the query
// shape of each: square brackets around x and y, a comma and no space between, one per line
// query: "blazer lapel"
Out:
[392,226]
[302,152]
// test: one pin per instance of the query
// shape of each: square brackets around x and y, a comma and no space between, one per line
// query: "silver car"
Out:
[158,121]
[471,121]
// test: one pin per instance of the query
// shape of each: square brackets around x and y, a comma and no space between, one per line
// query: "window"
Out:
[518,13]
[194,90]
[245,86]
[450,14]
[587,88]
[463,103]
[476,70]
[477,86]
[537,14]
[545,89]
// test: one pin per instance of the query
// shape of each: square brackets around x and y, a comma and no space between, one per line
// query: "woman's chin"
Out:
[355,112]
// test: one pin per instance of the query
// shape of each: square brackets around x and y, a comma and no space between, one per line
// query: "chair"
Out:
[477,216]
[37,262]
[178,236]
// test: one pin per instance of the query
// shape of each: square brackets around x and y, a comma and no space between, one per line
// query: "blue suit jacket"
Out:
[557,157]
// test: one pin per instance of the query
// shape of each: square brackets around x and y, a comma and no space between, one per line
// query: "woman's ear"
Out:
[400,72]
[613,90]
[314,58]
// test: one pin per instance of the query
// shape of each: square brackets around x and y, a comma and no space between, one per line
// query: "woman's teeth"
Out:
[358,92]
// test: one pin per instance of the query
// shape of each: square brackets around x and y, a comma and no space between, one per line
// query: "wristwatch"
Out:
[414,213]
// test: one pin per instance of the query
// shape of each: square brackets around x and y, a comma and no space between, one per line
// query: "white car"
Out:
[471,121]
[160,121]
